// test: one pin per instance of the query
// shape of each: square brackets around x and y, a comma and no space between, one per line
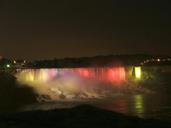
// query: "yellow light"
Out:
[139,105]
[138,72]
[30,77]
[14,62]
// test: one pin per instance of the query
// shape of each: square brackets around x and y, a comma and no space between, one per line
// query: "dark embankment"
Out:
[13,95]
[78,117]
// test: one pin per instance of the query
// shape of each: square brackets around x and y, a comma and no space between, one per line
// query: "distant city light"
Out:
[138,72]
[158,60]
[8,65]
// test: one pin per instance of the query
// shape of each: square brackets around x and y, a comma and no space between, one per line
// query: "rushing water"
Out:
[113,88]
[75,83]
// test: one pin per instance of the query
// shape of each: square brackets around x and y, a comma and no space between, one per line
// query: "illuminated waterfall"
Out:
[72,82]
[137,72]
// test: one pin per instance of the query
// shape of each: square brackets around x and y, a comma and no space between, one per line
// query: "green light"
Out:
[8,65]
[138,72]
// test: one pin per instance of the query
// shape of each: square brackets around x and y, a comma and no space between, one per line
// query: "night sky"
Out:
[42,29]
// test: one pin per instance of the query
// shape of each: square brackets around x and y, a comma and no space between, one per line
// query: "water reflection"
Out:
[119,104]
[139,105]
[126,104]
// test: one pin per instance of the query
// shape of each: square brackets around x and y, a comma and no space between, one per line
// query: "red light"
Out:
[84,72]
[116,75]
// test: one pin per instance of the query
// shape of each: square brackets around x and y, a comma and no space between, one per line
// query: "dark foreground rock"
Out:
[14,95]
[78,117]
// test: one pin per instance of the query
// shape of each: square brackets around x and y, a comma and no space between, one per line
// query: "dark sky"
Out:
[38,29]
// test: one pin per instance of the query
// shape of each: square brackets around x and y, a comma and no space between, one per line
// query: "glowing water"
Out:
[73,83]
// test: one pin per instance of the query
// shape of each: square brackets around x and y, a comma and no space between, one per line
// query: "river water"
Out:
[143,106]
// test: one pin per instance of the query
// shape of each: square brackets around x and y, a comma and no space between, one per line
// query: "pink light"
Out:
[53,73]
